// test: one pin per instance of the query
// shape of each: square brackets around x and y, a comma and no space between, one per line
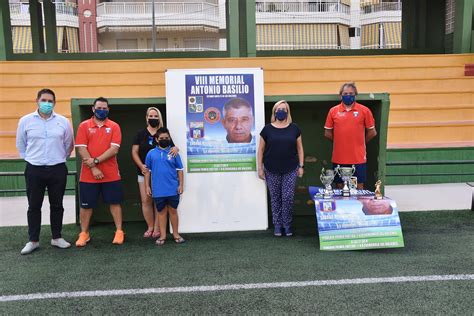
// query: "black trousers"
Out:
[38,178]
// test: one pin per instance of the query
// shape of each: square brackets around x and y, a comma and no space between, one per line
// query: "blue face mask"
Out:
[348,99]
[281,115]
[101,115]
[45,107]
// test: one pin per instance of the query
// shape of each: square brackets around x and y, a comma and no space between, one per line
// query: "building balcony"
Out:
[381,12]
[271,12]
[66,14]
[145,50]
[300,47]
[167,14]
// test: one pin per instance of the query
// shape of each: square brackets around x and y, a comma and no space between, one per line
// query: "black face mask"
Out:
[164,143]
[154,122]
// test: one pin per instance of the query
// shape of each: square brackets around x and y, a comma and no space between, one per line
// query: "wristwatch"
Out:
[301,166]
[96,161]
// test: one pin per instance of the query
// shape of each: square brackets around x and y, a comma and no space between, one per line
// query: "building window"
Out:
[201,44]
[161,44]
[127,45]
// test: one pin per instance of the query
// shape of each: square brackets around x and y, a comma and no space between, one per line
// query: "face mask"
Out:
[164,143]
[45,107]
[101,115]
[154,122]
[348,99]
[281,115]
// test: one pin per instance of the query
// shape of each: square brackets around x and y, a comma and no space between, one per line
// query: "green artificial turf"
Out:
[436,243]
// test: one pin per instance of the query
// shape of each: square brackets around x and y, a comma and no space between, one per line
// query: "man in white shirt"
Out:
[44,140]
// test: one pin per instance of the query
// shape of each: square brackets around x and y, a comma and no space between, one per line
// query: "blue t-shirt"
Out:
[164,172]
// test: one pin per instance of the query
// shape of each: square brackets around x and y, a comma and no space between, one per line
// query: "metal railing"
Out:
[299,46]
[138,50]
[161,8]
[382,6]
[382,46]
[61,8]
[300,7]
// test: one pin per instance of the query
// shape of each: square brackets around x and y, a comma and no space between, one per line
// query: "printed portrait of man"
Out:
[237,119]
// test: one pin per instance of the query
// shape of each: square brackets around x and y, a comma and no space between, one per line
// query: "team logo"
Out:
[195,104]
[212,115]
[107,130]
[356,114]
[196,130]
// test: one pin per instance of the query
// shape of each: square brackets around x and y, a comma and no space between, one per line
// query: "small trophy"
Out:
[353,186]
[345,173]
[327,177]
[378,192]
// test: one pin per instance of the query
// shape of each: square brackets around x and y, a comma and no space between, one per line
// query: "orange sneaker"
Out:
[119,237]
[83,239]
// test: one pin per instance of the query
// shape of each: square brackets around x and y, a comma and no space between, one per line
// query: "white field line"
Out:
[228,287]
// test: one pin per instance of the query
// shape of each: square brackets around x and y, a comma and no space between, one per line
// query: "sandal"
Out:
[148,234]
[156,235]
[179,240]
[160,242]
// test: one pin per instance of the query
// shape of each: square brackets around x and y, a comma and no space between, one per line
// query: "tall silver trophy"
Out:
[327,177]
[345,173]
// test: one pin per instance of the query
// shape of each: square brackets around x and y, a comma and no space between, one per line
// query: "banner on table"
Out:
[220,118]
[360,222]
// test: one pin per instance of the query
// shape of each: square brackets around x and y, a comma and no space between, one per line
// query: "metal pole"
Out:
[153,34]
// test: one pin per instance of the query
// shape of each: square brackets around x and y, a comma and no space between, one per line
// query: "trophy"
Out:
[378,192]
[327,177]
[345,173]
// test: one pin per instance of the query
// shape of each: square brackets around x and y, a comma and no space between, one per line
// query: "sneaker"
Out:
[29,247]
[277,231]
[288,231]
[60,243]
[119,237]
[83,239]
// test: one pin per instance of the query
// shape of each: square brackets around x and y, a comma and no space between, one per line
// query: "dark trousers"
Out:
[38,178]
[282,191]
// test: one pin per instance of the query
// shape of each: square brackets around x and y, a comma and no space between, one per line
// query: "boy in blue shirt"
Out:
[166,173]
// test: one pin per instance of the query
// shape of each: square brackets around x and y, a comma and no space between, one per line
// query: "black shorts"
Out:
[112,193]
[360,172]
[162,202]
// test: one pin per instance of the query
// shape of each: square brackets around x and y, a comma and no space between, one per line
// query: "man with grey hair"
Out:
[238,120]
[350,125]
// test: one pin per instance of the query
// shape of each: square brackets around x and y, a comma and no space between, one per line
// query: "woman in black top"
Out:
[280,160]
[142,144]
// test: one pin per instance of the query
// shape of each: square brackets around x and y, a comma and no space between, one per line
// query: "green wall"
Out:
[403,166]
[18,182]
[308,111]
[431,165]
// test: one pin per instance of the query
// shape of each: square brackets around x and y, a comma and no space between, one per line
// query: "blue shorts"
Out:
[162,202]
[360,172]
[112,193]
